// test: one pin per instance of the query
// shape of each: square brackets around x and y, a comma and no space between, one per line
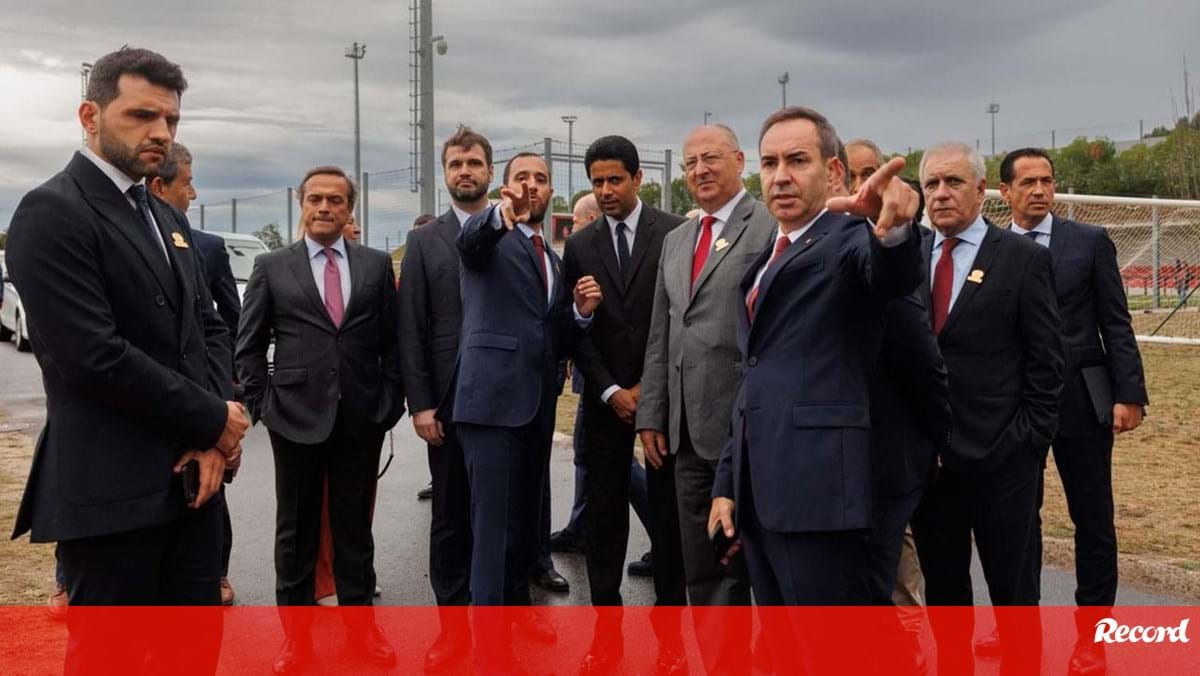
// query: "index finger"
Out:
[884,175]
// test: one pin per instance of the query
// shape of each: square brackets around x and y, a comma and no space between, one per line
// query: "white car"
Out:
[242,250]
[12,315]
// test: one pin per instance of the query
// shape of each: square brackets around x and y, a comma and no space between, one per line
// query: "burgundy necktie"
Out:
[334,304]
[702,247]
[943,284]
[540,247]
[780,244]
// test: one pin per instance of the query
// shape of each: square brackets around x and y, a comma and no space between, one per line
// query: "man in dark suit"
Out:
[811,326]
[128,343]
[621,250]
[430,321]
[518,322]
[173,184]
[334,393]
[992,305]
[1104,387]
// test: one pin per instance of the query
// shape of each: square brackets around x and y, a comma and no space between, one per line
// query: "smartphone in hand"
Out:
[724,547]
[190,476]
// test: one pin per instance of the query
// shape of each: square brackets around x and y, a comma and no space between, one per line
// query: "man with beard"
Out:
[430,321]
[125,333]
[518,322]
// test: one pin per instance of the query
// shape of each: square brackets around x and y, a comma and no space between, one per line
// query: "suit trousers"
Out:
[450,524]
[723,648]
[637,484]
[1085,467]
[889,523]
[349,462]
[175,564]
[999,507]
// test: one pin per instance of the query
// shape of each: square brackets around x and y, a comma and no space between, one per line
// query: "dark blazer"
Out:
[134,360]
[614,351]
[803,404]
[910,400]
[429,340]
[214,259]
[512,338]
[320,368]
[1096,330]
[1002,347]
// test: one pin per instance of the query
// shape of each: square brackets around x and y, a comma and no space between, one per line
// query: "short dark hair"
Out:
[828,135]
[1008,164]
[335,171]
[467,138]
[168,171]
[845,159]
[514,158]
[612,148]
[423,219]
[107,71]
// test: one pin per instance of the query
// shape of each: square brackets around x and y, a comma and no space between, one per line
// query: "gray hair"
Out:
[178,155]
[869,145]
[974,159]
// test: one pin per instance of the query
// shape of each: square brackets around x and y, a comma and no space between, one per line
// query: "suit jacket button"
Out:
[184,356]
[333,371]
[687,322]
[753,361]
[159,300]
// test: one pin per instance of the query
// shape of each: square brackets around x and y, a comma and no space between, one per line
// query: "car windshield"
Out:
[241,258]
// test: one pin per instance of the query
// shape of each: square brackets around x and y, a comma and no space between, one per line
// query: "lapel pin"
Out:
[976,276]
[178,240]
[720,244]
[808,241]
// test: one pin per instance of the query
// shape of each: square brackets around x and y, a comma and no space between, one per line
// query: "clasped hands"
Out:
[227,454]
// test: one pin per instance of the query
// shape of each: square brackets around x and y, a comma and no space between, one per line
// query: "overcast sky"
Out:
[271,92]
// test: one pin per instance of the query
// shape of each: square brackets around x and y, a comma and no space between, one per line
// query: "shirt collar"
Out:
[118,177]
[795,234]
[461,213]
[315,248]
[726,209]
[630,221]
[973,235]
[1044,227]
[528,231]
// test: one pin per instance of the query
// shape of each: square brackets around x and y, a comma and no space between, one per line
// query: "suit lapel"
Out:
[730,234]
[302,271]
[527,244]
[988,248]
[924,288]
[103,195]
[602,240]
[358,276]
[802,244]
[181,258]
[1060,233]
[641,242]
[448,228]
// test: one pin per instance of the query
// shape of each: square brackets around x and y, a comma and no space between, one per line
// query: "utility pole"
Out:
[424,127]
[706,116]
[783,81]
[357,53]
[992,109]
[570,120]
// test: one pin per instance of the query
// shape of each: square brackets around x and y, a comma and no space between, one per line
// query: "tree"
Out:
[269,234]
[651,193]
[681,199]
[559,205]
[753,184]
[579,194]
[3,238]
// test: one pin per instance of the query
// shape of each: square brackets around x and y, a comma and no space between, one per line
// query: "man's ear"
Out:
[156,186]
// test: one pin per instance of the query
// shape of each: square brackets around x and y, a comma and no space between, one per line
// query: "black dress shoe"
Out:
[1087,659]
[643,567]
[566,542]
[532,625]
[602,660]
[989,646]
[426,493]
[449,648]
[552,581]
[295,654]
[371,644]
[671,661]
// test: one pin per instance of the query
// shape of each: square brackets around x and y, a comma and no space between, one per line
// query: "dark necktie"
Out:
[943,284]
[539,246]
[1032,234]
[140,197]
[622,247]
[702,247]
[780,244]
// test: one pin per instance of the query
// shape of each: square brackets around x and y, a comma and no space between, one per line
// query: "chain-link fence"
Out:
[1158,251]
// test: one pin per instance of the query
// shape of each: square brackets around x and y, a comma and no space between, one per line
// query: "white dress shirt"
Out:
[1042,229]
[124,183]
[461,214]
[630,221]
[963,255]
[792,237]
[317,260]
[722,215]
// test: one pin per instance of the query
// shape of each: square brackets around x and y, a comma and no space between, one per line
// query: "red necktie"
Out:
[780,244]
[702,247]
[334,303]
[943,284]
[540,247]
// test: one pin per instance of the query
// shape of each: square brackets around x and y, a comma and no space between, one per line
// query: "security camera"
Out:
[441,48]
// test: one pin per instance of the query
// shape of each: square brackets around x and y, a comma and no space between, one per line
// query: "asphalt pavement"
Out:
[401,521]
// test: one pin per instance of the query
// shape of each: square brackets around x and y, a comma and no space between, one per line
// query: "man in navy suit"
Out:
[1104,387]
[798,463]
[517,323]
